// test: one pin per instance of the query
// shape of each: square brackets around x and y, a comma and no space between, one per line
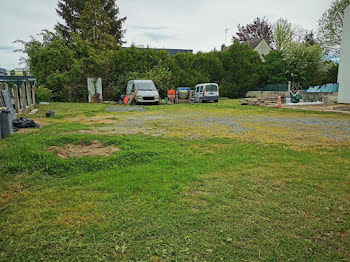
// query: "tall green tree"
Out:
[71,12]
[95,26]
[243,70]
[282,34]
[330,26]
[305,63]
[276,68]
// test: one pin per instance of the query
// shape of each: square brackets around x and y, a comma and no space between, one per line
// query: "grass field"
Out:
[203,182]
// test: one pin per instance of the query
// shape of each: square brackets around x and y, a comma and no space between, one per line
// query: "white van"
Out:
[206,92]
[147,92]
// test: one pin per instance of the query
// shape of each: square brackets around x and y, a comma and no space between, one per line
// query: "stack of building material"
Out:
[270,102]
[260,102]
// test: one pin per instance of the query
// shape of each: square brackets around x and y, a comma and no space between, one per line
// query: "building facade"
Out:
[260,46]
[3,72]
[344,65]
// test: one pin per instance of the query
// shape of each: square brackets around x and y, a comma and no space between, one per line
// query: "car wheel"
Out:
[216,101]
[200,100]
[134,103]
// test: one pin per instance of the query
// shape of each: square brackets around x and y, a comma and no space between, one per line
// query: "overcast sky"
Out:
[188,24]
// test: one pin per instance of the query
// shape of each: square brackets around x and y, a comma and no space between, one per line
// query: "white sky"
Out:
[191,24]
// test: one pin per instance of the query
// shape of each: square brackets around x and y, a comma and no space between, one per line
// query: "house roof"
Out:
[253,43]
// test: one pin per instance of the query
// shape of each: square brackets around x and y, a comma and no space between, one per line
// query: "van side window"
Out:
[201,89]
[197,89]
[129,88]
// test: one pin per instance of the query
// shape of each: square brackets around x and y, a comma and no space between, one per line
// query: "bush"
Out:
[65,68]
[244,70]
[43,94]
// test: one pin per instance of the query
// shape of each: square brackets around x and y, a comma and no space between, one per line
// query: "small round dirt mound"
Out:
[76,151]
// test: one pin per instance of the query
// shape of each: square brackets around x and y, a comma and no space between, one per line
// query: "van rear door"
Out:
[212,90]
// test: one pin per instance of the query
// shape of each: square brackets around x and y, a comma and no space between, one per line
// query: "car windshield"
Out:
[211,88]
[146,87]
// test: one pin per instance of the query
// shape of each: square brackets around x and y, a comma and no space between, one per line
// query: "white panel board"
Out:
[95,90]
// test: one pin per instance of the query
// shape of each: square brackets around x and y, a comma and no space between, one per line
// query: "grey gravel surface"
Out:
[125,109]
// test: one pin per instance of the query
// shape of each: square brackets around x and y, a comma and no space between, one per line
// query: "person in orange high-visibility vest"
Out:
[171,96]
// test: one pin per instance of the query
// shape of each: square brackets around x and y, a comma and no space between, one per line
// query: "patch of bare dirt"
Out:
[76,151]
[100,119]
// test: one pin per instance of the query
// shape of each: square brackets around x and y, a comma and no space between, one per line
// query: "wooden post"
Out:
[23,98]
[33,96]
[15,89]
[6,86]
[29,108]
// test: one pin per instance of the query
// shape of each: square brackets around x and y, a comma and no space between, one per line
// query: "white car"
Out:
[206,92]
[147,93]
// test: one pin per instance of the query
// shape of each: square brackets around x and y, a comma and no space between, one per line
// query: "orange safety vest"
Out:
[171,92]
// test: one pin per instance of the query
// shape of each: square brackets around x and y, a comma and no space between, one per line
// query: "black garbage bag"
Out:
[23,122]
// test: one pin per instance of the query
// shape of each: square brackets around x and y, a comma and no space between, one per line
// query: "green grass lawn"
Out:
[170,198]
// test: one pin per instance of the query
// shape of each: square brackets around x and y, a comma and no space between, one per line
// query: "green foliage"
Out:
[283,34]
[243,70]
[276,68]
[330,26]
[91,19]
[188,71]
[44,94]
[64,69]
[331,75]
[53,65]
[305,63]
[162,77]
[96,25]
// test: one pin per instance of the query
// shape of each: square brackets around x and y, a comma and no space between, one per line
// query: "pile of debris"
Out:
[23,122]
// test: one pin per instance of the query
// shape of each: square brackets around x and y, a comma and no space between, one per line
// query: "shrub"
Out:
[44,94]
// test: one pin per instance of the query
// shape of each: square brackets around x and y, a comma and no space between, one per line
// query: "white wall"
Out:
[344,65]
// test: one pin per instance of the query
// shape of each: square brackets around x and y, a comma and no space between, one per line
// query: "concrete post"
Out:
[33,96]
[15,89]
[23,98]
[29,98]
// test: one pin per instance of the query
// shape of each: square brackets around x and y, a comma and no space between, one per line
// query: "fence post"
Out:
[15,89]
[6,86]
[23,98]
[33,96]
[29,99]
